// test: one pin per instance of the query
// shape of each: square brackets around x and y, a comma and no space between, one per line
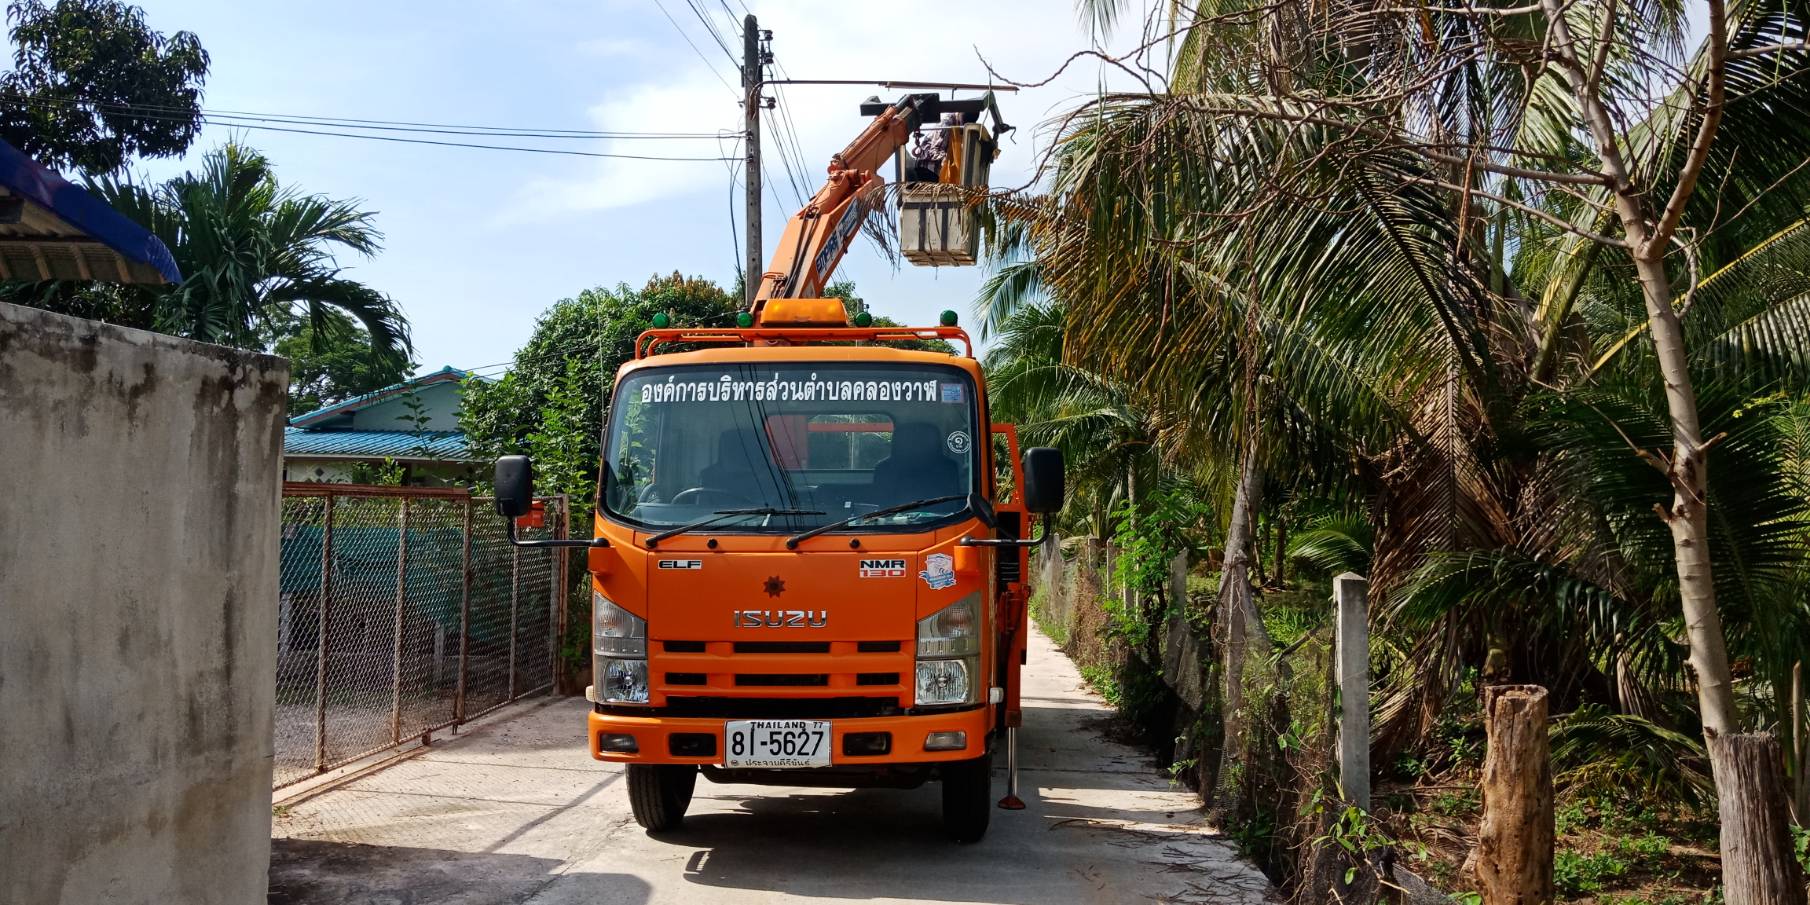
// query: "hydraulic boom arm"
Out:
[816,237]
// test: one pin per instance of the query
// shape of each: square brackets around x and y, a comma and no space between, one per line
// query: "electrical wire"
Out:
[796,149]
[735,20]
[785,157]
[462,144]
[418,141]
[735,238]
[710,30]
[340,122]
[694,49]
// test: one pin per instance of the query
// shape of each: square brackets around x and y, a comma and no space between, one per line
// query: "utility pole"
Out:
[751,102]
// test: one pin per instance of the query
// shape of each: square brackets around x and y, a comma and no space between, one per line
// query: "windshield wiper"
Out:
[721,514]
[793,541]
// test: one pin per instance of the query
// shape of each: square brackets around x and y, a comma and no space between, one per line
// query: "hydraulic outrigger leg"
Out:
[1012,802]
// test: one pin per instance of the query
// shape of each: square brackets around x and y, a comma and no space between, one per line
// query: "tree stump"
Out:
[1758,867]
[1514,842]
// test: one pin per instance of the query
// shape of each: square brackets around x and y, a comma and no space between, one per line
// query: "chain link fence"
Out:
[404,611]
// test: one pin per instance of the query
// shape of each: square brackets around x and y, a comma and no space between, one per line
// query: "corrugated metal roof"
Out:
[357,402]
[60,232]
[443,446]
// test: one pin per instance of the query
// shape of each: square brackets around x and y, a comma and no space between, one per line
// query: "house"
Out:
[407,433]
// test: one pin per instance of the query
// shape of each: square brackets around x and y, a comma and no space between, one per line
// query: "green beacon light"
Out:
[863,319]
[947,319]
[744,320]
[662,320]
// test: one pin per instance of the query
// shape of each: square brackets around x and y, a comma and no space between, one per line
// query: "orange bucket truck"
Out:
[810,554]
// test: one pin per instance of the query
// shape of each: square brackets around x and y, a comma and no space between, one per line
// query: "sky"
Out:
[479,242]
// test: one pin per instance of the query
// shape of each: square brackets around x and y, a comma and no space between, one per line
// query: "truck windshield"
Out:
[826,440]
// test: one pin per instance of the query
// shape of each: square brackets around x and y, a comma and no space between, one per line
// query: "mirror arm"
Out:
[593,542]
[1007,541]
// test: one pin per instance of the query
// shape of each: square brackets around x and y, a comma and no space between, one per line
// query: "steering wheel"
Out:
[692,496]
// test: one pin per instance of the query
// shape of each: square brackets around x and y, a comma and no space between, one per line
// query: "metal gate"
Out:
[403,611]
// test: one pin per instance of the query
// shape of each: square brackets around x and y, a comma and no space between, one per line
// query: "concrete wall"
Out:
[138,587]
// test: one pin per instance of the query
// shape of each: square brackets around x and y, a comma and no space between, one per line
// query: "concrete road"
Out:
[516,812]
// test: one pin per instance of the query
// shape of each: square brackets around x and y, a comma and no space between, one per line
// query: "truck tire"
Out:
[658,794]
[968,799]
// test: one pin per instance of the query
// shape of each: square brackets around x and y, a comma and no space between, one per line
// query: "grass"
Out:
[1612,849]
[1040,614]
[1103,681]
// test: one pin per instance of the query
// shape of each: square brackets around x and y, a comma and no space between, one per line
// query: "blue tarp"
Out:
[39,185]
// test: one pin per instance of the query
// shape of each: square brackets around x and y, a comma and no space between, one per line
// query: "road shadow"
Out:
[888,844]
[307,872]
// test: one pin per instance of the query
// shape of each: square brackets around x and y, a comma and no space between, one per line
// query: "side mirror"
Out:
[514,486]
[1043,480]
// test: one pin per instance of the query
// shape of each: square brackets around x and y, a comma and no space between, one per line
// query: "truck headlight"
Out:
[621,681]
[616,632]
[953,631]
[944,682]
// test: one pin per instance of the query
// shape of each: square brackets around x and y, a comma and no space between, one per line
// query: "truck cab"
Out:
[808,568]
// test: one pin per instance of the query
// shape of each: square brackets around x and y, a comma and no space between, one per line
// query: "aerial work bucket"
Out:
[938,221]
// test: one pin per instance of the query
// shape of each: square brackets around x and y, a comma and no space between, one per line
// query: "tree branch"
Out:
[1716,48]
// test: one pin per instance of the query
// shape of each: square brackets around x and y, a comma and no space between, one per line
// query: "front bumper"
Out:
[653,737]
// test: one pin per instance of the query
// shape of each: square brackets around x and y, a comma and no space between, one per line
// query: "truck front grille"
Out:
[782,669]
[782,647]
[782,708]
[780,680]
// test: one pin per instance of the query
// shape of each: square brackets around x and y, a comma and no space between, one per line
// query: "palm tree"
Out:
[1103,435]
[1334,242]
[254,255]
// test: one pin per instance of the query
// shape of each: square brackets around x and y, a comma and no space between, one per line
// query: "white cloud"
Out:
[938,40]
[615,47]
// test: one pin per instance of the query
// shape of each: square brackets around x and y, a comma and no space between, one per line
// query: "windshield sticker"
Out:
[951,392]
[733,389]
[882,568]
[958,442]
[939,571]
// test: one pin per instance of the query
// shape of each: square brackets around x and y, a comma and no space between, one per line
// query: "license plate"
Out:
[777,743]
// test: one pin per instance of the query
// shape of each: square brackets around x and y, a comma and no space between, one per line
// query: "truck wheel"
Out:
[659,794]
[968,799]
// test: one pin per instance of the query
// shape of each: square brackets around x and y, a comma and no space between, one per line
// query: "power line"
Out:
[785,158]
[735,239]
[591,136]
[796,149]
[694,49]
[462,144]
[356,123]
[712,32]
[427,141]
[790,149]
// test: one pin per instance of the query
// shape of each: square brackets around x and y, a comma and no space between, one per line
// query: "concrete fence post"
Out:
[1351,594]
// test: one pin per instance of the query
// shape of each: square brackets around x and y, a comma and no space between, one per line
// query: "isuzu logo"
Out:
[782,618]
